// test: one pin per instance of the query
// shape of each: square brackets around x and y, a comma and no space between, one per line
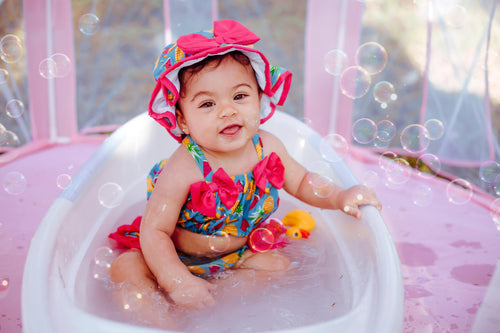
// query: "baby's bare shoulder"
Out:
[180,170]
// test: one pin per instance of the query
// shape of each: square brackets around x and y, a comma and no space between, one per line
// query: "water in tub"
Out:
[314,289]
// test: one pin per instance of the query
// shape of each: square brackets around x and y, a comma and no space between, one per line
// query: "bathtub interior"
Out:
[358,261]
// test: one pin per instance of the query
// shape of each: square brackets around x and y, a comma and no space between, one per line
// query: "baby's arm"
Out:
[157,227]
[297,183]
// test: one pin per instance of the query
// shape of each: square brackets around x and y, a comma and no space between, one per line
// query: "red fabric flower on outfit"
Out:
[127,236]
[203,193]
[269,169]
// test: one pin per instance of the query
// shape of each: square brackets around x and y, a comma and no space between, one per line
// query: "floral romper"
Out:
[219,205]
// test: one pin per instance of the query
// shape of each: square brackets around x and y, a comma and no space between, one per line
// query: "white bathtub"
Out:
[55,297]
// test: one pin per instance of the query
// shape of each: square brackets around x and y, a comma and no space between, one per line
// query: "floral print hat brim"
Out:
[226,36]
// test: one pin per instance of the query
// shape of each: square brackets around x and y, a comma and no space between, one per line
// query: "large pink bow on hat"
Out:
[269,169]
[225,32]
[203,193]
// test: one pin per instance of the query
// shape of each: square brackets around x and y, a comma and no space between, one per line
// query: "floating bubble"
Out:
[435,129]
[261,240]
[372,57]
[386,158]
[14,183]
[339,145]
[355,82]
[491,61]
[415,138]
[2,128]
[131,299]
[398,171]
[4,76]
[422,196]
[63,181]
[9,139]
[110,195]
[385,130]
[428,164]
[383,92]
[488,171]
[456,16]
[364,130]
[47,68]
[101,272]
[62,65]
[219,242]
[459,191]
[322,185]
[370,178]
[88,24]
[335,62]
[14,108]
[306,121]
[11,48]
[103,256]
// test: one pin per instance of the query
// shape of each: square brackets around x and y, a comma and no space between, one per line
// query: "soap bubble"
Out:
[428,164]
[46,68]
[219,242]
[415,138]
[320,177]
[57,65]
[131,299]
[422,196]
[88,24]
[372,57]
[14,108]
[385,131]
[103,256]
[456,16]
[355,82]
[488,171]
[261,240]
[322,185]
[364,130]
[459,191]
[63,181]
[62,64]
[435,128]
[398,171]
[370,178]
[335,62]
[9,139]
[11,48]
[110,195]
[4,76]
[101,272]
[383,92]
[386,158]
[14,183]
[339,145]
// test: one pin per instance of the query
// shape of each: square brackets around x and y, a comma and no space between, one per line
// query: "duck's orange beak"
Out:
[304,233]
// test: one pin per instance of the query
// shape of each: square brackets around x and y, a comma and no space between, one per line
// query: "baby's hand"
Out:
[351,199]
[193,293]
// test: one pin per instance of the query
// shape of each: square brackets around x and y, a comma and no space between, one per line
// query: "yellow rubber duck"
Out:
[299,223]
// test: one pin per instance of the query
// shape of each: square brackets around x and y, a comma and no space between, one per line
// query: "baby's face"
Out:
[220,106]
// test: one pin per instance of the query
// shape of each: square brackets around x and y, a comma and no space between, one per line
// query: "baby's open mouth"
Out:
[230,130]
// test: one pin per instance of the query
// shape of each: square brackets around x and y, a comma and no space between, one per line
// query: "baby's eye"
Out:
[240,96]
[207,105]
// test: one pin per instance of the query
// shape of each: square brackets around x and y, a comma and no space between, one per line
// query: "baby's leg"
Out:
[270,261]
[137,292]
